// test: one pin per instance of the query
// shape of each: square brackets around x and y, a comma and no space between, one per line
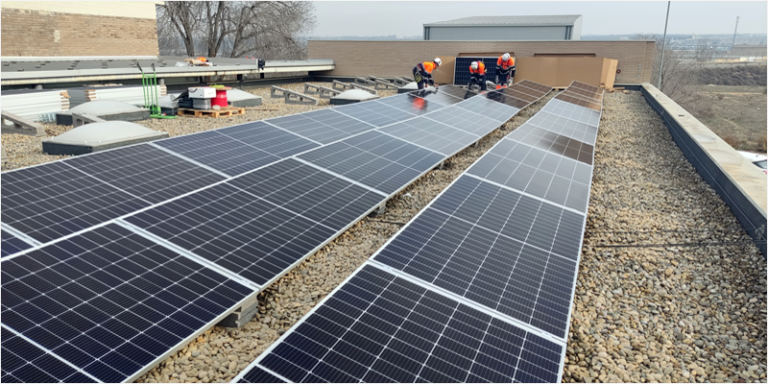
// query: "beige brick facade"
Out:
[395,58]
[45,33]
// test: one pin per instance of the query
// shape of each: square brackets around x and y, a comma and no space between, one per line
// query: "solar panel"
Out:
[12,244]
[53,200]
[562,126]
[375,114]
[489,108]
[260,224]
[219,152]
[546,175]
[324,126]
[110,301]
[376,160]
[410,103]
[256,374]
[555,143]
[377,327]
[461,73]
[573,112]
[496,247]
[541,88]
[520,92]
[452,91]
[268,138]
[583,94]
[23,362]
[579,101]
[432,135]
[506,99]
[145,171]
[441,96]
[464,120]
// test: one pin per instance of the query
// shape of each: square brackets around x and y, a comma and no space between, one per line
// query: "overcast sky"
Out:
[377,18]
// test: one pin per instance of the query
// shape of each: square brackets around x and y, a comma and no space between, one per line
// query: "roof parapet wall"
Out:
[740,184]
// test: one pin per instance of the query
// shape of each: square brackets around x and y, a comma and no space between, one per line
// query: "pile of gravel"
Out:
[653,302]
[221,353]
[23,151]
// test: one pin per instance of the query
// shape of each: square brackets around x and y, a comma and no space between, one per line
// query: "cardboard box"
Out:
[559,72]
[202,93]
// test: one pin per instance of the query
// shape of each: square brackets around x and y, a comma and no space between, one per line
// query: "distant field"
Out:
[735,113]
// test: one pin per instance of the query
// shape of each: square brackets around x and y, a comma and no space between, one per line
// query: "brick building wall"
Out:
[28,32]
[395,58]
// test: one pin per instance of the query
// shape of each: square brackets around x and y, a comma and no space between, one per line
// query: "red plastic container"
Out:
[221,98]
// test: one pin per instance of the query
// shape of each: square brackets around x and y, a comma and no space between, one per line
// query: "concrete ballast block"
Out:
[277,92]
[12,123]
[358,86]
[341,86]
[292,97]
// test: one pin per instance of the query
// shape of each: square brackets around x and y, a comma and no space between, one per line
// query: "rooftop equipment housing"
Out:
[501,28]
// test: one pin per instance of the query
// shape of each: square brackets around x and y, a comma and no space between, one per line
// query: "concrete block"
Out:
[362,80]
[311,89]
[341,86]
[327,93]
[79,119]
[383,85]
[277,92]
[12,123]
[399,82]
[358,86]
[292,97]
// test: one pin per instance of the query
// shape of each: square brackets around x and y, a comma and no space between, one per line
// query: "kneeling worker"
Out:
[477,75]
[422,72]
[505,70]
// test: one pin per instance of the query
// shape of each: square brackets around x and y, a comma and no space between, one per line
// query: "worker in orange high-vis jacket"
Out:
[477,75]
[422,72]
[505,70]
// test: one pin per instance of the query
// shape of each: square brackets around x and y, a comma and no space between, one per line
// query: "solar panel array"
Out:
[477,287]
[461,73]
[130,253]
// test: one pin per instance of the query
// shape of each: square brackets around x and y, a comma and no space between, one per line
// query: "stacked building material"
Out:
[35,104]
[133,94]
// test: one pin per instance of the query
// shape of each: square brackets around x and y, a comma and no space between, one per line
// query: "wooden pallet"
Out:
[223,112]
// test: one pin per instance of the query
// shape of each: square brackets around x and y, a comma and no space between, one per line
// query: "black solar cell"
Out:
[145,172]
[23,362]
[324,126]
[376,160]
[496,247]
[375,114]
[431,134]
[12,244]
[219,152]
[546,175]
[110,301]
[54,200]
[379,328]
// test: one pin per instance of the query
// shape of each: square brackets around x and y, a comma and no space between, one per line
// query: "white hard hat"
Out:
[505,56]
[473,65]
[438,61]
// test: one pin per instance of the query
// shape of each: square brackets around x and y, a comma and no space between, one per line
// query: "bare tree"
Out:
[679,76]
[267,29]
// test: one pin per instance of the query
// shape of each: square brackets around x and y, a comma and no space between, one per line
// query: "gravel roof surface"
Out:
[651,313]
[643,314]
[23,151]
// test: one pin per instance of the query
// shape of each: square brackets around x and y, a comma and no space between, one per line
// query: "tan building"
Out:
[79,28]
[395,58]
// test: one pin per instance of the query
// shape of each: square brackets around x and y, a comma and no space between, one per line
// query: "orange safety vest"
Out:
[505,64]
[480,68]
[428,66]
